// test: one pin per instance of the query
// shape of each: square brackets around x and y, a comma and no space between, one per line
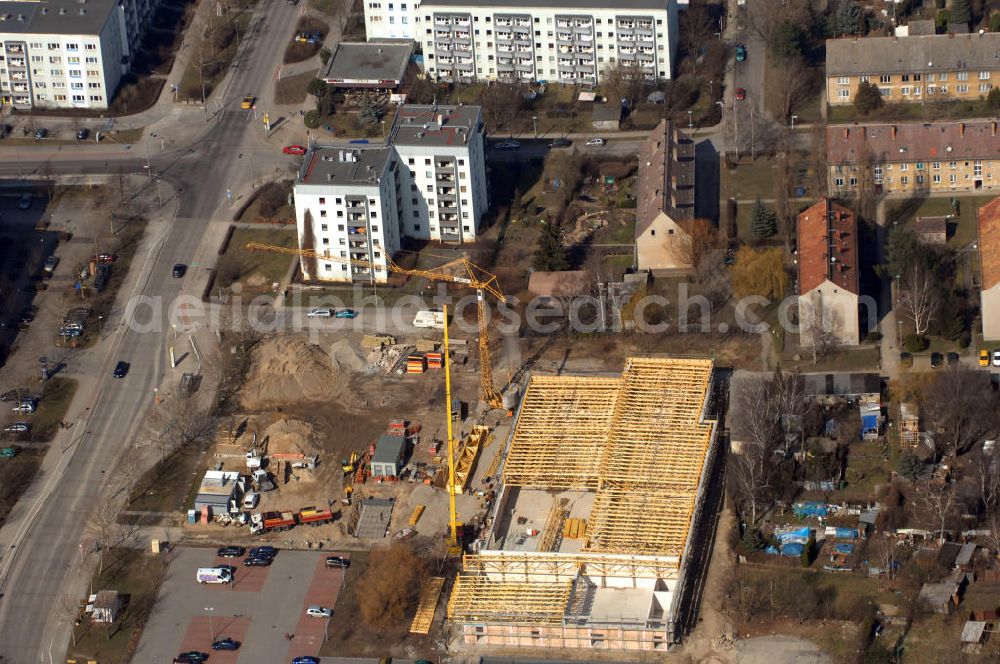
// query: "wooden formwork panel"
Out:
[427,605]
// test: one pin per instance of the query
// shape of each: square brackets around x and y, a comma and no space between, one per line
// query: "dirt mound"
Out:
[289,437]
[289,369]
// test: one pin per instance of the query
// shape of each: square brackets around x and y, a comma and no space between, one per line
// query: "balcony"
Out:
[357,231]
[563,23]
[444,163]
[564,36]
[504,23]
[442,34]
[466,36]
[354,204]
[627,25]
[626,38]
[443,21]
[15,48]
[446,191]
[505,36]
[645,25]
[505,49]
[17,62]
[446,61]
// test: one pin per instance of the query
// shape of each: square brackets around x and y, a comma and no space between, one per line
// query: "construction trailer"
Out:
[603,483]
[387,460]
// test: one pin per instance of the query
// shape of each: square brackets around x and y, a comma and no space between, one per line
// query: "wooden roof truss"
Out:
[479,598]
[565,566]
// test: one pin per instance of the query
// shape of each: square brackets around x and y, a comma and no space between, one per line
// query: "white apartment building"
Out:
[357,202]
[564,41]
[68,53]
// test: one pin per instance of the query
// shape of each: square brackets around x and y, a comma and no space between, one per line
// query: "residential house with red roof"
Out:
[665,224]
[989,269]
[828,274]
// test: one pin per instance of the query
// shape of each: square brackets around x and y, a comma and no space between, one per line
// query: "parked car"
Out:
[346,313]
[317,611]
[191,657]
[248,102]
[595,143]
[50,264]
[338,562]
[104,257]
[306,659]
[25,406]
[320,313]
[27,315]
[952,359]
[996,358]
[82,134]
[741,53]
[936,360]
[294,149]
[507,146]
[741,94]
[226,644]
[121,369]
[984,358]
[41,132]
[17,427]
[179,270]
[257,562]
[230,552]
[587,198]
[24,202]
[263,552]
[560,143]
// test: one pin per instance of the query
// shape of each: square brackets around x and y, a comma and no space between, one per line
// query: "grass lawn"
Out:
[171,484]
[56,397]
[855,359]
[292,89]
[960,234]
[124,245]
[936,111]
[136,575]
[866,468]
[748,180]
[17,474]
[258,270]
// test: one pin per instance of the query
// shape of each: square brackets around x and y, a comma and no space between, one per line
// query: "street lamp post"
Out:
[534,122]
[690,123]
[794,118]
[211,626]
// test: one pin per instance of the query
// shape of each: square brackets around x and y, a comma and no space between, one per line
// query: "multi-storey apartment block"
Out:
[356,203]
[565,41]
[913,69]
[944,156]
[67,53]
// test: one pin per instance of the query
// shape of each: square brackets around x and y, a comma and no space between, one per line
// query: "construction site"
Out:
[602,484]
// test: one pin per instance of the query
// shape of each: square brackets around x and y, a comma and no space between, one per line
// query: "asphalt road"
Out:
[38,567]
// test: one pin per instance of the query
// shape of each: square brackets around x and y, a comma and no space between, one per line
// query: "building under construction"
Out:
[603,483]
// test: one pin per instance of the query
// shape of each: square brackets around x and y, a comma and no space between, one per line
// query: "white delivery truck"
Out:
[429,318]
[214,575]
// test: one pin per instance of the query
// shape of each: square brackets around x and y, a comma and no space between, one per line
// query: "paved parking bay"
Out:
[261,609]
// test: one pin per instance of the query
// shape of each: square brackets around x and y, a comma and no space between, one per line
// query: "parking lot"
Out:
[263,609]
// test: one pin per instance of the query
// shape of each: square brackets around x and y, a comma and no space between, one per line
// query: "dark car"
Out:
[263,552]
[82,134]
[936,360]
[560,143]
[230,552]
[226,644]
[337,562]
[257,561]
[741,53]
[121,369]
[346,313]
[28,315]
[306,659]
[191,657]
[587,198]
[179,270]
[41,132]
[952,358]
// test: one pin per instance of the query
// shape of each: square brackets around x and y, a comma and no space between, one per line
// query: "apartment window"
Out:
[322,200]
[416,214]
[60,97]
[936,165]
[90,47]
[904,90]
[864,79]
[324,227]
[843,94]
[916,77]
[340,227]
[931,89]
[37,58]
[930,78]
[984,87]
[55,59]
[94,86]
[904,167]
[57,72]
[905,78]
[73,60]
[326,241]
[920,165]
[843,80]
[961,89]
[920,179]
[340,214]
[952,164]
[322,213]
[374,229]
[916,90]
[885,78]
[885,92]
[984,76]
[952,178]
[39,97]
[78,98]
[427,162]
[936,178]
[904,180]
[72,47]
[854,182]
[40,84]
[35,45]
[943,89]
[943,77]
[76,86]
[430,188]
[53,47]
[962,76]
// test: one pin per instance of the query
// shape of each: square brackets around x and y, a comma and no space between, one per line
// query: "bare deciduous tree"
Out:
[755,405]
[958,404]
[622,80]
[697,28]
[819,324]
[940,502]
[987,476]
[104,526]
[817,161]
[783,182]
[793,85]
[885,554]
[993,525]
[918,297]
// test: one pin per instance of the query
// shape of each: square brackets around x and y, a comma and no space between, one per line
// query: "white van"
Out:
[214,575]
[250,500]
[429,318]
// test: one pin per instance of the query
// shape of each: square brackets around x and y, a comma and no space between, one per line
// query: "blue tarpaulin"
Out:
[844,548]
[771,550]
[792,549]
[799,534]
[869,422]
[811,508]
[846,533]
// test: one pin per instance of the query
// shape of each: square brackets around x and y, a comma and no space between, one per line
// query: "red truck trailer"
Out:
[314,517]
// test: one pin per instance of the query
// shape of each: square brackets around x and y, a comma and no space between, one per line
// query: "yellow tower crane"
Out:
[469,275]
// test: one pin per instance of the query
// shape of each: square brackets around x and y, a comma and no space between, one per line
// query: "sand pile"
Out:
[290,370]
[289,437]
